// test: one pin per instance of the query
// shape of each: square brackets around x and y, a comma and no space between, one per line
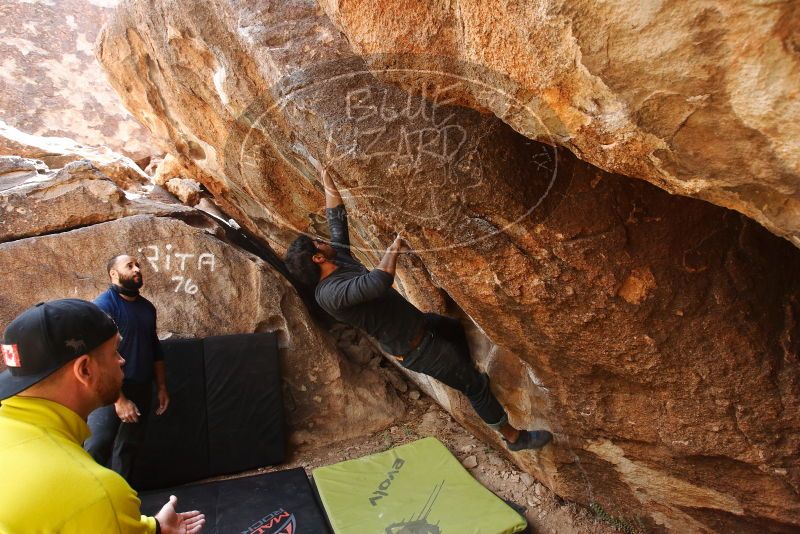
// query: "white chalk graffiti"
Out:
[183,262]
[188,286]
[367,102]
[420,142]
[388,135]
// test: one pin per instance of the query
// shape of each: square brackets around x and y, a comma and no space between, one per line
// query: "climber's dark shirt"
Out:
[366,299]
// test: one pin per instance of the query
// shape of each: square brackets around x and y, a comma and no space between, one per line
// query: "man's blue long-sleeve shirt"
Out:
[136,321]
[366,299]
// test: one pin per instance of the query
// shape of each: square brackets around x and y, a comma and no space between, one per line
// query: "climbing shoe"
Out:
[530,439]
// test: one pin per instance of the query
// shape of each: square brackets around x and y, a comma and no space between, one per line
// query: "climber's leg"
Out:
[451,330]
[444,355]
[441,359]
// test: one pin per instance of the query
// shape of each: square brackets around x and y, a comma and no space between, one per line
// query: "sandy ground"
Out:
[546,512]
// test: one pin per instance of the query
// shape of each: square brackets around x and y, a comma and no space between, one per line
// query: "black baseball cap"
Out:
[45,337]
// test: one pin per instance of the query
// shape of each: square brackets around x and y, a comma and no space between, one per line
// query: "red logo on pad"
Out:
[11,355]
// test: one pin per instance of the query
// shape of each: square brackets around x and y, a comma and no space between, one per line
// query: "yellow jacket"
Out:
[48,483]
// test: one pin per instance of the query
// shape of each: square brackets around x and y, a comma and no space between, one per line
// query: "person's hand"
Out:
[127,410]
[163,400]
[398,245]
[173,522]
[327,181]
[316,163]
[321,168]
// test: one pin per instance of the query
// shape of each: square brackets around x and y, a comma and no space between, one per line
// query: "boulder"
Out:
[56,152]
[167,168]
[15,167]
[51,84]
[177,179]
[653,334]
[698,98]
[186,190]
[36,200]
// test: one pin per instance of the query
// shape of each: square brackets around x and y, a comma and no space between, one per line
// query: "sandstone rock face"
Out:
[51,83]
[20,166]
[698,98]
[56,152]
[654,334]
[173,176]
[35,200]
[188,270]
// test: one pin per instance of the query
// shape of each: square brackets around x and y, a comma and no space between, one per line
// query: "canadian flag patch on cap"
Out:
[10,355]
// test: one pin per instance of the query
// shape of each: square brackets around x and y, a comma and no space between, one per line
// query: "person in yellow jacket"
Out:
[62,363]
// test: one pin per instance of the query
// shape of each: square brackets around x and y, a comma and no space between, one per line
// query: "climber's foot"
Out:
[530,439]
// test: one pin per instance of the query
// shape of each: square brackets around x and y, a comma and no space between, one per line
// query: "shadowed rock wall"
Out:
[653,334]
[698,98]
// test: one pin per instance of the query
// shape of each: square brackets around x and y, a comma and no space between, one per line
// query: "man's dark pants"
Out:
[114,440]
[444,355]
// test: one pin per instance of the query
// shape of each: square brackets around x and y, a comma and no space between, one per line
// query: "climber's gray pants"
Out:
[444,355]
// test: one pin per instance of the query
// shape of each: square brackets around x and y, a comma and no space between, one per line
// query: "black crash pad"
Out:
[176,444]
[273,503]
[244,402]
[225,414]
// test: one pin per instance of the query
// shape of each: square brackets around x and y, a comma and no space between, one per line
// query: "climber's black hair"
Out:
[298,261]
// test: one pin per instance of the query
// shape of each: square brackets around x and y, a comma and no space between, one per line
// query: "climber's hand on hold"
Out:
[389,261]
[332,196]
[398,246]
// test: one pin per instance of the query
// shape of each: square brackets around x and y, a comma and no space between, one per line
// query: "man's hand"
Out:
[173,522]
[127,410]
[163,400]
[160,372]
[327,180]
[398,245]
[389,261]
[332,196]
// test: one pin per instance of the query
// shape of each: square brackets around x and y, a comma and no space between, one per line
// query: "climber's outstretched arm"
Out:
[332,196]
[335,213]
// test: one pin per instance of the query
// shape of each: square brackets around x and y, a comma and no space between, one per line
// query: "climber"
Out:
[427,343]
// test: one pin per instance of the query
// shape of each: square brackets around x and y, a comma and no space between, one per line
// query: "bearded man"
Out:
[427,343]
[118,430]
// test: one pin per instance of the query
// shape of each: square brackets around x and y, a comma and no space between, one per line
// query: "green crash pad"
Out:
[418,488]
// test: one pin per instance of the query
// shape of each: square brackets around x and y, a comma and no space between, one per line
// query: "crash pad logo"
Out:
[278,522]
[383,487]
[418,523]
